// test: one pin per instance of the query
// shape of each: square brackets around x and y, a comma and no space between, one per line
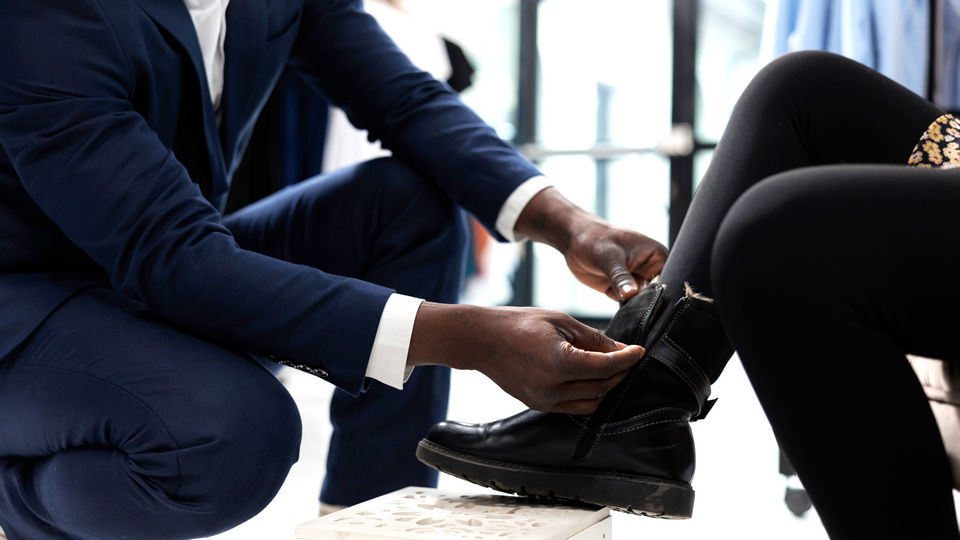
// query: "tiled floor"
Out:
[739,491]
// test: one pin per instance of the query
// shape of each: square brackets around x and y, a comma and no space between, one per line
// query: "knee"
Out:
[792,78]
[764,241]
[241,455]
[792,65]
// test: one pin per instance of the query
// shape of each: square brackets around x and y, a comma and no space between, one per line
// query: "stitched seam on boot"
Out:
[632,376]
[693,363]
[654,412]
[680,375]
[646,315]
[640,365]
[668,343]
[642,426]
[593,444]
[679,350]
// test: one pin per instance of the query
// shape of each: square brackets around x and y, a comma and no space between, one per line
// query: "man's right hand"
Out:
[546,359]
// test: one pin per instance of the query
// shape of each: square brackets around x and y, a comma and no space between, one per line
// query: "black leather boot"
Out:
[635,453]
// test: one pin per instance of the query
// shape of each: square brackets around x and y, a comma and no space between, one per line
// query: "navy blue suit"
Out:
[124,289]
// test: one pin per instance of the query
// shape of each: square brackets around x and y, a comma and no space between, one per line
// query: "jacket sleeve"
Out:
[94,166]
[342,51]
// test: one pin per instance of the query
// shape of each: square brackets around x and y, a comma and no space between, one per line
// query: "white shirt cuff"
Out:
[514,205]
[388,357]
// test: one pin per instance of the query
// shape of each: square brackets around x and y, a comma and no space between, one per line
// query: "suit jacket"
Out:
[113,169]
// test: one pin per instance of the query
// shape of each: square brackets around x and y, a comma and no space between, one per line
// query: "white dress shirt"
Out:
[388,356]
[210,19]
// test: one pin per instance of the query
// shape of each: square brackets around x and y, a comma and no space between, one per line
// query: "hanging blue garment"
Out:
[948,64]
[890,36]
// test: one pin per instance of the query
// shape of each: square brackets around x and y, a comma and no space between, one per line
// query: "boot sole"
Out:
[633,494]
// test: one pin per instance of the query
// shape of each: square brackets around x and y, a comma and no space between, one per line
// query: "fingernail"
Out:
[626,289]
[638,347]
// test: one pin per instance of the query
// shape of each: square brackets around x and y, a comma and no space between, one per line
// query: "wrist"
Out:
[550,218]
[439,337]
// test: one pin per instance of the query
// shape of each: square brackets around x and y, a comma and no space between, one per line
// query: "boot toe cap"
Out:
[455,435]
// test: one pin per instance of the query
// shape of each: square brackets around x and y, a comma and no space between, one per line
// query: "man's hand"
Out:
[546,359]
[614,261]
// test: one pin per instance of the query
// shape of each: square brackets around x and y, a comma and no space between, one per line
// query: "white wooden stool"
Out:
[430,514]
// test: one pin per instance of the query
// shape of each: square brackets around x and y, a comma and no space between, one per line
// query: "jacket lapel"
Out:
[246,37]
[173,16]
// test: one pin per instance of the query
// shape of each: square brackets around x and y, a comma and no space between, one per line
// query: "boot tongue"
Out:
[632,321]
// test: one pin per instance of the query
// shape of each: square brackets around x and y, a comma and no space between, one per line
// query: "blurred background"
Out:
[620,103]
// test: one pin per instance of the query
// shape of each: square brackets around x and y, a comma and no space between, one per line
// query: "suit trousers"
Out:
[117,425]
[829,260]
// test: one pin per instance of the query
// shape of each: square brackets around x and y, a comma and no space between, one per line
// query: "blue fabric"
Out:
[116,424]
[296,133]
[890,36]
[396,230]
[948,91]
[113,164]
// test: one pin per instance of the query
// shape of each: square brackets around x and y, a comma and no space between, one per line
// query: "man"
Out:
[133,314]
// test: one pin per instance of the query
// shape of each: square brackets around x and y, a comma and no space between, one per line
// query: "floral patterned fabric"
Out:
[939,147]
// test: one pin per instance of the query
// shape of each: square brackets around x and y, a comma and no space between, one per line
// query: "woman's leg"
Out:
[116,425]
[803,109]
[826,277]
[809,108]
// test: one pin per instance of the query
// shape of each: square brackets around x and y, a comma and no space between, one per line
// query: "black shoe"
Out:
[636,453]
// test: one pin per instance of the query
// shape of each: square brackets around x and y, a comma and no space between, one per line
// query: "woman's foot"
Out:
[636,452]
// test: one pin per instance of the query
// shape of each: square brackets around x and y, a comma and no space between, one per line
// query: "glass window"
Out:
[488,32]
[605,70]
[728,52]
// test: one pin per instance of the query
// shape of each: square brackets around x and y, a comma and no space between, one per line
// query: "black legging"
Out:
[826,275]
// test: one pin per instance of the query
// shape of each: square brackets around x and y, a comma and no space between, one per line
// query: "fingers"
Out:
[589,354]
[578,397]
[586,337]
[580,364]
[588,389]
[651,264]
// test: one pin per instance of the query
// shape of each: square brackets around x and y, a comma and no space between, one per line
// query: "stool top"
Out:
[427,514]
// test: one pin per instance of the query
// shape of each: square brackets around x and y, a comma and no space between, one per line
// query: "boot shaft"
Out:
[687,349]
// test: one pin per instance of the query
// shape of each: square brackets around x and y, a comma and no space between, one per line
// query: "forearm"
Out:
[550,218]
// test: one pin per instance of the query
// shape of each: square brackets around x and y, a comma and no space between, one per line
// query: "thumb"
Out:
[622,281]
